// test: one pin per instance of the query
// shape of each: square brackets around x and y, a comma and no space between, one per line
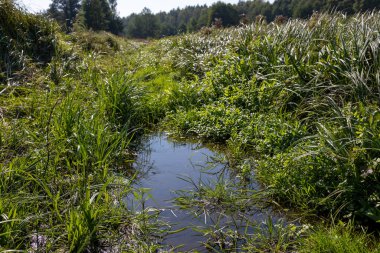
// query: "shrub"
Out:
[24,36]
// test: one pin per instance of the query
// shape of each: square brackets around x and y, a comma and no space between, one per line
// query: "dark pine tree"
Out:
[115,24]
[224,12]
[97,14]
[64,11]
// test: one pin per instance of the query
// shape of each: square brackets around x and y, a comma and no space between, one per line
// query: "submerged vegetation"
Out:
[295,104]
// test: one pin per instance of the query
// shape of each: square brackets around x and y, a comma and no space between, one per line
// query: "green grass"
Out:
[67,135]
[301,98]
[24,38]
[339,238]
[295,104]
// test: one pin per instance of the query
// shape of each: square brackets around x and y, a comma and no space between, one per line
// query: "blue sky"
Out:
[127,7]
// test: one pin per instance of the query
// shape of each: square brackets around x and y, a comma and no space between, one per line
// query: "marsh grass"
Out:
[300,98]
[235,214]
[299,101]
[339,237]
[296,105]
[237,219]
[66,145]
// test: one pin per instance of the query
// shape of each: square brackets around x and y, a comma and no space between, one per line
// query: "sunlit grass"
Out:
[297,106]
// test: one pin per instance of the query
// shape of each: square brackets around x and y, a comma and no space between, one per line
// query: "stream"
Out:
[168,166]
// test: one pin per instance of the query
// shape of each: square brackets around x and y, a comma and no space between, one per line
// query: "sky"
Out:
[126,7]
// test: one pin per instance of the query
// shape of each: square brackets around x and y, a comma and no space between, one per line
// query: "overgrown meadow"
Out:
[296,104]
[301,99]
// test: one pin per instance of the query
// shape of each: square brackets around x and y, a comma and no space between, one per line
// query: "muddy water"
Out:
[163,164]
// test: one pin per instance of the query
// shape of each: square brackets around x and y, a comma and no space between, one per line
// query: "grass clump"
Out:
[339,238]
[100,42]
[24,37]
[65,172]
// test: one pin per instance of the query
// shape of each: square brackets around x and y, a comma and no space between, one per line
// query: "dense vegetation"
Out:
[193,18]
[65,142]
[102,15]
[36,41]
[300,98]
[296,104]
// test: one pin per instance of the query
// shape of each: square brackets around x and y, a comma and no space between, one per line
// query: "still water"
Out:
[164,163]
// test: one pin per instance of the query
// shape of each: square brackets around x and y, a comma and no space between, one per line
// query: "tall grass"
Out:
[338,238]
[24,37]
[66,145]
[300,97]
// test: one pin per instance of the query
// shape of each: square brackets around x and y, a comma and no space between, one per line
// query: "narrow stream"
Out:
[164,163]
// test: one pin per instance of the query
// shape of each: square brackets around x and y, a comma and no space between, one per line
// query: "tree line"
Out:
[96,15]
[102,15]
[193,18]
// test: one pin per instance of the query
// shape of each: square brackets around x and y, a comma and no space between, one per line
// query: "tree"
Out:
[226,12]
[346,6]
[192,25]
[282,7]
[366,5]
[142,25]
[64,11]
[115,24]
[302,9]
[193,18]
[97,14]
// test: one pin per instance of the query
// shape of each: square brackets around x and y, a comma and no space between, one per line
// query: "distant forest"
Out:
[193,18]
[102,15]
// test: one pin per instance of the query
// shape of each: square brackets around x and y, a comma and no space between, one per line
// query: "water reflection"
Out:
[172,169]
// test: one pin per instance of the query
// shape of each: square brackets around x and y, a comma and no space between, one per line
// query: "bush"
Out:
[24,37]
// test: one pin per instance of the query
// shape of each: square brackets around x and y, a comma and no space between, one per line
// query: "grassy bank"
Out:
[67,129]
[302,98]
[296,104]
[298,101]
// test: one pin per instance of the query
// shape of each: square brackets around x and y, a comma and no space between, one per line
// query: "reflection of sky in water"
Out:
[163,163]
